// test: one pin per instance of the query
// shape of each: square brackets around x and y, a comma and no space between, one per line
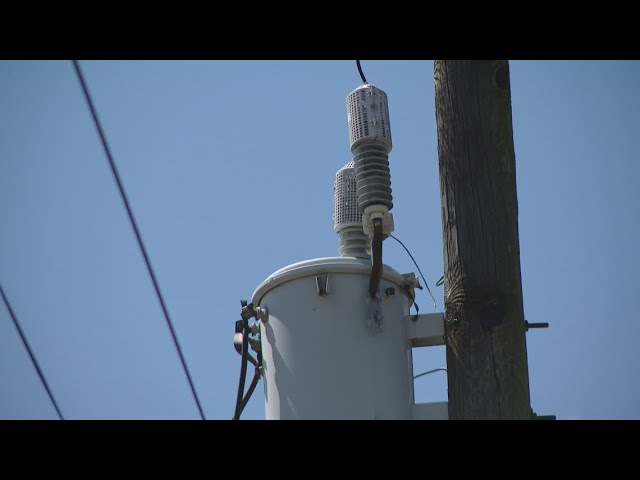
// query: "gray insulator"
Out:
[368,117]
[347,220]
[345,213]
[373,177]
[354,243]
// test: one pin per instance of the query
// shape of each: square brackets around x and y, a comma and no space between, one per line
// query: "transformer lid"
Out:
[324,266]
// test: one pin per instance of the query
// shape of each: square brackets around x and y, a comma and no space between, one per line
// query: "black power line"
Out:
[243,369]
[33,357]
[137,232]
[364,80]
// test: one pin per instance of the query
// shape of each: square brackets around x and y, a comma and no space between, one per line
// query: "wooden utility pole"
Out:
[486,349]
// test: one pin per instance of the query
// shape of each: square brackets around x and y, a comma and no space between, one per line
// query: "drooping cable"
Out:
[420,271]
[364,80]
[243,369]
[252,360]
[252,387]
[33,357]
[430,371]
[254,384]
[123,194]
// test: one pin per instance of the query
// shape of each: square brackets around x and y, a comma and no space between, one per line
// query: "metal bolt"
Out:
[528,325]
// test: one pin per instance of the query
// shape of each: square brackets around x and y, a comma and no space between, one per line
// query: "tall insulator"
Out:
[370,139]
[347,219]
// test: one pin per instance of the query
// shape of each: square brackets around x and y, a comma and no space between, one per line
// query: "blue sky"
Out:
[229,167]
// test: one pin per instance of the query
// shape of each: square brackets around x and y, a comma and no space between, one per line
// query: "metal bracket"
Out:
[535,416]
[255,344]
[427,330]
[411,281]
[322,285]
[528,325]
[262,314]
[247,310]
[377,310]
[374,321]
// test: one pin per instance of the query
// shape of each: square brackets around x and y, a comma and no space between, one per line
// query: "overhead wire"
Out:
[430,371]
[31,354]
[364,79]
[136,230]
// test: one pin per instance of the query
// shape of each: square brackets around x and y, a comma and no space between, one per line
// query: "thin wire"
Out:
[416,264]
[430,371]
[137,232]
[33,357]
[364,80]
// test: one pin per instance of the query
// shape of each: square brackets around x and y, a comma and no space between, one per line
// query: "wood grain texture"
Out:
[486,349]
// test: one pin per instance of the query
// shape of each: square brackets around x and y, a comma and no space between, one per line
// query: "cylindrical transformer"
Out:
[321,359]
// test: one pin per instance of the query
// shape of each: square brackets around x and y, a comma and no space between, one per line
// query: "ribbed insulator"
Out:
[373,177]
[354,243]
[370,139]
[347,219]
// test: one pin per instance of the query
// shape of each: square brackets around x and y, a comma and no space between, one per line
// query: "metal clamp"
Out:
[322,285]
[262,314]
[375,311]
